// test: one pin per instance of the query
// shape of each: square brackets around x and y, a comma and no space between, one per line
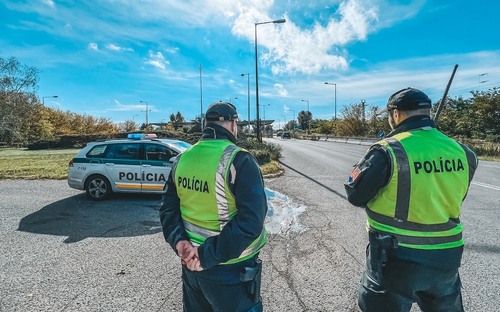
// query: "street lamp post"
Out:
[147,110]
[259,136]
[50,96]
[248,79]
[201,101]
[133,117]
[334,84]
[284,120]
[235,98]
[308,113]
[293,121]
[264,106]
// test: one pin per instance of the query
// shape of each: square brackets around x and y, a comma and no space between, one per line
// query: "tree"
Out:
[352,124]
[18,84]
[177,120]
[486,112]
[304,118]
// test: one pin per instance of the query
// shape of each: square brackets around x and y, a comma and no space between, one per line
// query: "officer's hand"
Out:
[194,264]
[185,250]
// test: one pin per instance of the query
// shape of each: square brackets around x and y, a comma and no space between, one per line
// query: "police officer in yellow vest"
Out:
[412,184]
[212,214]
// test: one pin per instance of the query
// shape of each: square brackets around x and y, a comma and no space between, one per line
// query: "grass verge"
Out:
[20,163]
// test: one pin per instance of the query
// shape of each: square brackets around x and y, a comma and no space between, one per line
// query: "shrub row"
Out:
[263,152]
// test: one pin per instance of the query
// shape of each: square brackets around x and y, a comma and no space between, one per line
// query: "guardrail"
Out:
[330,138]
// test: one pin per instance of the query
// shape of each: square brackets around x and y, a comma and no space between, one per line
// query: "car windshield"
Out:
[182,145]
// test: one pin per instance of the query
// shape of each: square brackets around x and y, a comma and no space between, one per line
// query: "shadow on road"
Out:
[78,217]
[315,181]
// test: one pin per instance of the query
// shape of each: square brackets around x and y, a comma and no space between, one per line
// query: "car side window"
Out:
[127,151]
[159,152]
[98,151]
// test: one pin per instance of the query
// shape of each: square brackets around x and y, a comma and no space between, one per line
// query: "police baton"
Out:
[443,99]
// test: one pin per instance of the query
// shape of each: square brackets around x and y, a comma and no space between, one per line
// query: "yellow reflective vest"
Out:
[206,202]
[429,179]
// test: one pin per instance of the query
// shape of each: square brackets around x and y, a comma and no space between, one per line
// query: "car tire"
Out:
[97,187]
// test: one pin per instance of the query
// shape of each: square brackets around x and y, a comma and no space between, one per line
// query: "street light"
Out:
[284,120]
[133,117]
[293,121]
[264,106]
[259,137]
[50,96]
[308,113]
[147,110]
[248,78]
[334,84]
[235,98]
[201,101]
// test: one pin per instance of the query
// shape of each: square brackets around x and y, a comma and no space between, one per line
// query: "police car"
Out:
[139,164]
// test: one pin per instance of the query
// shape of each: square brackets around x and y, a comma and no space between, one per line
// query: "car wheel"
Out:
[97,187]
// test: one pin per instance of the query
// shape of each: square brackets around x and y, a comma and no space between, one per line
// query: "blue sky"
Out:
[104,57]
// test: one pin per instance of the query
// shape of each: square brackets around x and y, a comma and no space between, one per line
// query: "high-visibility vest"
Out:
[421,203]
[206,202]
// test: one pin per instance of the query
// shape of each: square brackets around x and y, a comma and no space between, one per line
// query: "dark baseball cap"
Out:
[221,111]
[407,99]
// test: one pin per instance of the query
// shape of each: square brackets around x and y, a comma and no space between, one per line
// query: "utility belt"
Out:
[378,254]
[251,276]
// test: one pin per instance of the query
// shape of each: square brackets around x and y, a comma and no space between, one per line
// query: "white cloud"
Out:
[291,49]
[114,47]
[157,60]
[93,46]
[172,50]
[280,89]
[130,107]
[49,3]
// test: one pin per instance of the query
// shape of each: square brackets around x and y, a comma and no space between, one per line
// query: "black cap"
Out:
[221,111]
[407,99]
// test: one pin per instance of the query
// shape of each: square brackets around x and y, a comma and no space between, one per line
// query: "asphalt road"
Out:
[315,172]
[63,252]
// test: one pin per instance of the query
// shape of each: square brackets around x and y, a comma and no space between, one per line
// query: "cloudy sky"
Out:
[112,58]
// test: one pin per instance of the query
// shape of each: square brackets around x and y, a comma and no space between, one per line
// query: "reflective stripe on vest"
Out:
[224,205]
[411,234]
[220,186]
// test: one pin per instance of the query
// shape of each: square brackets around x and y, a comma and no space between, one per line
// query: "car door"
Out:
[156,166]
[123,166]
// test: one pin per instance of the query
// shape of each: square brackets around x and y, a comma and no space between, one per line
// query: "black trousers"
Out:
[218,291]
[404,283]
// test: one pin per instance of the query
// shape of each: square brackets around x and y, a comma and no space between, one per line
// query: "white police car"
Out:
[139,164]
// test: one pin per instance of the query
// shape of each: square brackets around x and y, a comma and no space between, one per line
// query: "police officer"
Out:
[212,215]
[412,184]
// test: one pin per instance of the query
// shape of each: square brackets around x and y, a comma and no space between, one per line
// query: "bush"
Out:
[45,144]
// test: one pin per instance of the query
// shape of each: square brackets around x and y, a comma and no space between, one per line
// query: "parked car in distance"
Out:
[139,164]
[286,135]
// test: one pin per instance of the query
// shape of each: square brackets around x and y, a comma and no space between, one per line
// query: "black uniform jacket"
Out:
[248,190]
[376,173]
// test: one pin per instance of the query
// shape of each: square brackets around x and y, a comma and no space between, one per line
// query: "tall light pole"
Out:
[201,100]
[147,112]
[293,121]
[334,84]
[50,96]
[133,117]
[264,106]
[259,136]
[284,120]
[248,78]
[308,113]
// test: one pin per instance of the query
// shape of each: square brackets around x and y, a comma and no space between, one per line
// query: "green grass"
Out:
[20,163]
